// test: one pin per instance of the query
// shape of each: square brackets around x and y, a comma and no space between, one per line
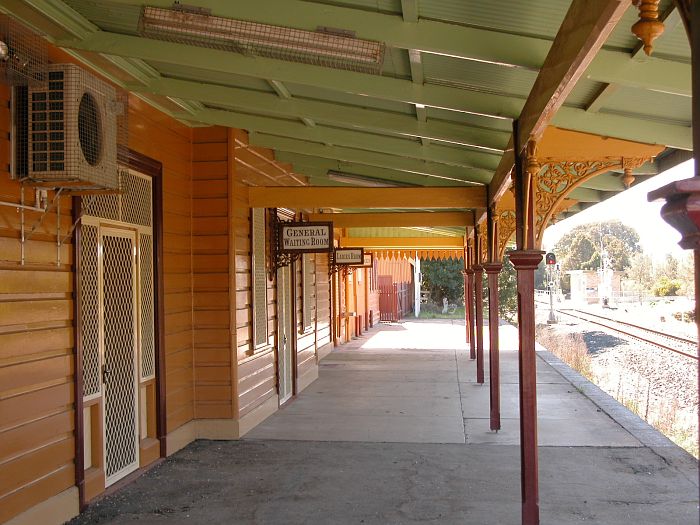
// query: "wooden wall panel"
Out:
[210,268]
[323,301]
[305,339]
[36,348]
[156,135]
[257,373]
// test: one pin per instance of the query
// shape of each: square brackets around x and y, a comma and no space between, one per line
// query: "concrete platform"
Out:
[395,430]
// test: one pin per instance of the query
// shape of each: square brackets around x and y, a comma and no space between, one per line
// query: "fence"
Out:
[395,299]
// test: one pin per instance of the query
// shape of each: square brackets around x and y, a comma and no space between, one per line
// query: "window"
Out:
[259,278]
[308,290]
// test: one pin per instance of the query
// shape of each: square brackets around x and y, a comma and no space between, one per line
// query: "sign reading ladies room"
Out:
[306,237]
[352,256]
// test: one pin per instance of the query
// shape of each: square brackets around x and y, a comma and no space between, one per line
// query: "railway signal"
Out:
[551,260]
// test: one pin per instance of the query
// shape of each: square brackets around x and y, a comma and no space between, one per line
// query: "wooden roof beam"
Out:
[379,220]
[325,197]
[587,25]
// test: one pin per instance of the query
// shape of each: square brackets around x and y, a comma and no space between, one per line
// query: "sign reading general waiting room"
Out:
[306,237]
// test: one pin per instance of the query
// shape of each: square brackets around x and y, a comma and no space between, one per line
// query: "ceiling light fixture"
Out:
[325,47]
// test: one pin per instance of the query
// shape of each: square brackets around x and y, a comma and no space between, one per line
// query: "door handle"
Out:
[105,373]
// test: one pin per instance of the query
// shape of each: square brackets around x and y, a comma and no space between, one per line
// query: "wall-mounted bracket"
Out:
[279,259]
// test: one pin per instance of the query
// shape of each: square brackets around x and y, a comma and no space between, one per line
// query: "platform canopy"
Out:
[398,93]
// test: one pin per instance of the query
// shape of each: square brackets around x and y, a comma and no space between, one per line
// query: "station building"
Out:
[151,154]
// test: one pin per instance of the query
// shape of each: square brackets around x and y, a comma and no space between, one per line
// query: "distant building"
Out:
[587,286]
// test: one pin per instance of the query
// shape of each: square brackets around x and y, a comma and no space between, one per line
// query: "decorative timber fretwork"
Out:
[556,178]
[483,255]
[505,220]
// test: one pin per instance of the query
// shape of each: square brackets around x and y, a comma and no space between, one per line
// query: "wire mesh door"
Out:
[119,369]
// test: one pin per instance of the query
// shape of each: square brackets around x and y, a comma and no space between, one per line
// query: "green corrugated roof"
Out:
[109,16]
[584,93]
[365,141]
[386,6]
[541,17]
[470,119]
[312,92]
[213,77]
[404,232]
[651,104]
[480,76]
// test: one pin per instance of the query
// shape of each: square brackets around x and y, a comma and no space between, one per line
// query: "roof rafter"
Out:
[348,138]
[380,166]
[319,175]
[428,36]
[386,88]
[372,158]
[582,33]
[408,219]
[315,197]
[351,116]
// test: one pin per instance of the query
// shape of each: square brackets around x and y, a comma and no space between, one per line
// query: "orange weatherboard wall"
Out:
[36,348]
[216,385]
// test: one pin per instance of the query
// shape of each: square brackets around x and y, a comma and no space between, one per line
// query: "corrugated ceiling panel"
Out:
[211,77]
[109,16]
[479,75]
[541,18]
[387,6]
[674,44]
[402,232]
[469,119]
[584,93]
[312,92]
[652,104]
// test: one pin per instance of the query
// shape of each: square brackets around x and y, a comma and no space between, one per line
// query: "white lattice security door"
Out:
[116,317]
[119,369]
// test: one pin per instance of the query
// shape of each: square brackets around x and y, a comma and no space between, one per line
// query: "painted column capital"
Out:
[493,267]
[682,209]
[526,259]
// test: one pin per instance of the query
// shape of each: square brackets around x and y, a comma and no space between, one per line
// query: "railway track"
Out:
[680,345]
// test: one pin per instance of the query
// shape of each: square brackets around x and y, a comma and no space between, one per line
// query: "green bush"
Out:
[666,287]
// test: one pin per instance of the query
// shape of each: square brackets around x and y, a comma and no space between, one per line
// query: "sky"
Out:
[657,238]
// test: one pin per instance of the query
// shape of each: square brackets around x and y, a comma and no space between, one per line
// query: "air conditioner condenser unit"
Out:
[72,131]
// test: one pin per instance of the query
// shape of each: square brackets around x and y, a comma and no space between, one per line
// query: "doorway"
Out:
[117,263]
[285,335]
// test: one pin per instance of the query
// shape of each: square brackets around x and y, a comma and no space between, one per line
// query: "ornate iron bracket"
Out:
[277,258]
[333,267]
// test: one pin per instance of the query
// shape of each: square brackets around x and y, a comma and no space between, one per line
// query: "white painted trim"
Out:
[217,429]
[181,437]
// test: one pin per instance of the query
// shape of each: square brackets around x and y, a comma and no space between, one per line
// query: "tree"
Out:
[686,275]
[507,291]
[640,272]
[443,278]
[580,249]
[669,268]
